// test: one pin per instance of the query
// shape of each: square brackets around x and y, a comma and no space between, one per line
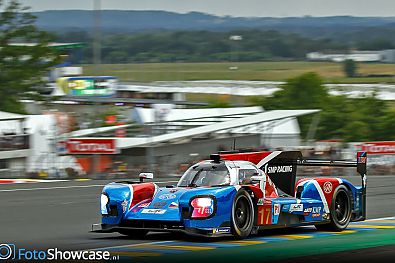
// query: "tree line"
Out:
[208,46]
[351,119]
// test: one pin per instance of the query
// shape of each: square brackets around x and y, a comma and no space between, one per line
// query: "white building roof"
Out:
[269,116]
[7,116]
[255,88]
[240,88]
[85,132]
[146,115]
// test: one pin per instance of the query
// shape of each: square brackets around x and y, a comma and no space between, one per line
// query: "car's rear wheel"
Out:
[340,210]
[136,233]
[242,214]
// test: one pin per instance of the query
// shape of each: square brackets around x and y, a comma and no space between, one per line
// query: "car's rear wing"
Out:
[281,166]
[360,164]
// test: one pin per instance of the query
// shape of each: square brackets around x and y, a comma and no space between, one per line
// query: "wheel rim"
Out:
[242,213]
[342,208]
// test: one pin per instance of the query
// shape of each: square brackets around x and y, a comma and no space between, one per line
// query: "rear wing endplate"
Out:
[360,164]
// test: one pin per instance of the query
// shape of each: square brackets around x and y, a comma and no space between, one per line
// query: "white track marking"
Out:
[383,218]
[63,187]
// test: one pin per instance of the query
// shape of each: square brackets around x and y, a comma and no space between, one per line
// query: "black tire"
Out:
[136,233]
[340,210]
[242,218]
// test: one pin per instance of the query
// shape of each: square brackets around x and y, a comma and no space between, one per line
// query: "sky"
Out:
[260,8]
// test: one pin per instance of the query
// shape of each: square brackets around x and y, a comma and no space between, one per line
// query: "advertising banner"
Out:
[91,146]
[384,147]
[88,86]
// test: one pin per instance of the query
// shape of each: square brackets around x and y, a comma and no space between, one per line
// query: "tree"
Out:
[350,68]
[350,119]
[303,92]
[22,67]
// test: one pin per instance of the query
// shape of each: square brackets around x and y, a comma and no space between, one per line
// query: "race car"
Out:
[238,194]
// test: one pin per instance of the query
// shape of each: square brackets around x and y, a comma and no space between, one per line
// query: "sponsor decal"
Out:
[327,187]
[173,190]
[276,209]
[167,196]
[316,215]
[285,208]
[139,206]
[159,204]
[260,201]
[296,208]
[124,205]
[314,210]
[280,169]
[154,211]
[223,230]
[144,205]
[325,216]
[362,159]
[173,205]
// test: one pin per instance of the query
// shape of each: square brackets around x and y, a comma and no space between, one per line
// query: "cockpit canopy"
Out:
[206,174]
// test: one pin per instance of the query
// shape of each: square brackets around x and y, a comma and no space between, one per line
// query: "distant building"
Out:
[14,145]
[28,143]
[387,56]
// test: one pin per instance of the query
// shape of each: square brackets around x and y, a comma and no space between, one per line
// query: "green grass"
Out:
[273,71]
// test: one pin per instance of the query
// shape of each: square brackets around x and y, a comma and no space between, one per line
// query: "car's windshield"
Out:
[205,175]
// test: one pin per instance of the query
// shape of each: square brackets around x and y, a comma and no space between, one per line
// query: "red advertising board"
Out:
[387,147]
[91,146]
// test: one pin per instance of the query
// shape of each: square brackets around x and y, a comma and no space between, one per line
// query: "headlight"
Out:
[203,207]
[103,204]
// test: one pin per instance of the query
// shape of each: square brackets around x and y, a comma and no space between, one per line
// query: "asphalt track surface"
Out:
[59,215]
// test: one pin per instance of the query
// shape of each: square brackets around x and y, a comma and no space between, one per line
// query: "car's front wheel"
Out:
[242,214]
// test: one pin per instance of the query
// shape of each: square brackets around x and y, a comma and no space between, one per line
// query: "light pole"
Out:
[234,57]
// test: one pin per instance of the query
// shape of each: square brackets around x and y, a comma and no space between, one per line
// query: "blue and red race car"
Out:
[236,194]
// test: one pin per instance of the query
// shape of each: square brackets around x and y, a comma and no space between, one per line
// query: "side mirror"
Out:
[143,176]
